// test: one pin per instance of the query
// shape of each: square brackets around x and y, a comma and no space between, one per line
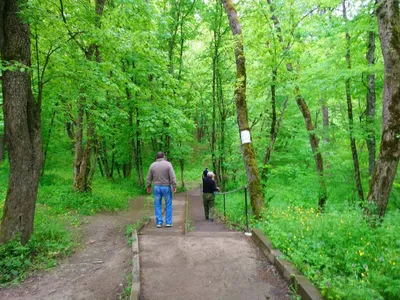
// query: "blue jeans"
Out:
[160,191]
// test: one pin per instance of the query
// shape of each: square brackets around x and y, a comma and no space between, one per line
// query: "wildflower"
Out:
[361,252]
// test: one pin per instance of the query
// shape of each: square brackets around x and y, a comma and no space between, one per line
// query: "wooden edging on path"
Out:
[135,290]
[288,271]
[186,221]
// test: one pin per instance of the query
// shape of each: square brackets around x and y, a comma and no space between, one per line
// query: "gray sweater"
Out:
[162,173]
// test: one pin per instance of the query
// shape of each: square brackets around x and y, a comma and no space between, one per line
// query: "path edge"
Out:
[135,290]
[304,287]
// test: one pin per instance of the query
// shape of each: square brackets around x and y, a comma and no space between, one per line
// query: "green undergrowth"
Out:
[337,250]
[59,210]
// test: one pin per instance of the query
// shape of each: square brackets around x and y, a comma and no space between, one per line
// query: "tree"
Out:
[254,185]
[353,146]
[23,127]
[387,12]
[303,107]
[371,97]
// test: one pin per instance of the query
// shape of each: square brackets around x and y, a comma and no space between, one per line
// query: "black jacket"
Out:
[209,185]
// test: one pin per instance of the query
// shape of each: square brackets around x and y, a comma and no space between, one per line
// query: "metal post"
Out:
[224,205]
[245,203]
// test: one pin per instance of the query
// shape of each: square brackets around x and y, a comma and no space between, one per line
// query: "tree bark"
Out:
[223,112]
[353,146]
[83,153]
[22,118]
[371,97]
[389,153]
[2,149]
[314,142]
[272,139]
[1,24]
[46,147]
[249,157]
[325,121]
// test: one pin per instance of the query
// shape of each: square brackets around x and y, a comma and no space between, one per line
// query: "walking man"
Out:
[209,188]
[162,174]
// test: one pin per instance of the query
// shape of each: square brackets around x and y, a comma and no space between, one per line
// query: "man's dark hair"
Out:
[160,155]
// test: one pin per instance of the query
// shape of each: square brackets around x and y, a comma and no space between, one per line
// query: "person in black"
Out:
[209,187]
[205,173]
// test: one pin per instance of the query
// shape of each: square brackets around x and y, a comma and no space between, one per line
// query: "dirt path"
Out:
[97,270]
[210,262]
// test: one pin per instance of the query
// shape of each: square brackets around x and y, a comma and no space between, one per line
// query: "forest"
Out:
[92,89]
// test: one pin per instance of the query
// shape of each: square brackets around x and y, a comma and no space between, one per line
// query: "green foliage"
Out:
[58,211]
[337,250]
[50,241]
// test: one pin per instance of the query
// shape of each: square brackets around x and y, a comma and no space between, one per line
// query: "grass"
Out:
[343,256]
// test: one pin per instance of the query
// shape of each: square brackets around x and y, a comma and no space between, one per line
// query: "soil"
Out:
[99,267]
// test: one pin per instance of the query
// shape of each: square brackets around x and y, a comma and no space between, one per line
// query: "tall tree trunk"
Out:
[353,146]
[22,118]
[314,142]
[272,140]
[301,103]
[389,153]
[249,157]
[46,147]
[83,154]
[1,24]
[136,149]
[2,148]
[104,159]
[325,121]
[273,130]
[222,151]
[371,97]
[82,166]
[213,106]
[96,151]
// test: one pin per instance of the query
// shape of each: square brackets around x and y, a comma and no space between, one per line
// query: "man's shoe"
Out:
[159,225]
[210,220]
[168,225]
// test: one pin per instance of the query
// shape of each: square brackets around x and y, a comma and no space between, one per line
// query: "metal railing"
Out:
[246,211]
